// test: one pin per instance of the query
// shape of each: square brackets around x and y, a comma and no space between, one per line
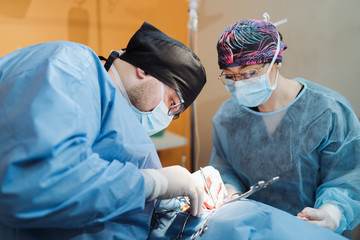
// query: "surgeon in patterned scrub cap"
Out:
[306,134]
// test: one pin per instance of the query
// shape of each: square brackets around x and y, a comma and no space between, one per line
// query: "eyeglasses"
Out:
[176,109]
[230,79]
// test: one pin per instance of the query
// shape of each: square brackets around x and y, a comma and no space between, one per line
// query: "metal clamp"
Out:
[253,189]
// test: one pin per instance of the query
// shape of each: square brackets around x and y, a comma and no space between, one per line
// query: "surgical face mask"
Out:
[255,91]
[154,121]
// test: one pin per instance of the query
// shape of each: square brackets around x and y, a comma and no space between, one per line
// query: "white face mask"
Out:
[255,91]
[154,121]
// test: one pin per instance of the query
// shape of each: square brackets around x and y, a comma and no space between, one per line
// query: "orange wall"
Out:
[103,25]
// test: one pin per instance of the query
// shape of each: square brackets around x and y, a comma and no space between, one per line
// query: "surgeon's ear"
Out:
[278,65]
[141,73]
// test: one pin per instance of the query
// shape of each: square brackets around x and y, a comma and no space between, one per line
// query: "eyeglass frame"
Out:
[237,75]
[181,103]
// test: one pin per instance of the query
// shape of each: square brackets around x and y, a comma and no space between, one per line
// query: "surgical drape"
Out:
[239,220]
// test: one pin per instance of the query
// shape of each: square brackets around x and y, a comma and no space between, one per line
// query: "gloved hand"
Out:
[215,184]
[327,216]
[171,182]
[230,190]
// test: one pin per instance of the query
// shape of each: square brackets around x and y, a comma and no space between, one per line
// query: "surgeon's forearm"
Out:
[92,191]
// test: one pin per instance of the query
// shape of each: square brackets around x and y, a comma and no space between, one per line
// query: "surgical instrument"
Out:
[207,187]
[254,188]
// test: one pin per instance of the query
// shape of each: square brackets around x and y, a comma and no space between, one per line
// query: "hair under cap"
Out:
[166,59]
[248,42]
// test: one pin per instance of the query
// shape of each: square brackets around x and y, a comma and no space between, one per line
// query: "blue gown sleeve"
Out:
[340,166]
[50,116]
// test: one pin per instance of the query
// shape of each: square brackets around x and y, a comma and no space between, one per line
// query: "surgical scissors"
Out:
[253,189]
[201,230]
[180,234]
[203,227]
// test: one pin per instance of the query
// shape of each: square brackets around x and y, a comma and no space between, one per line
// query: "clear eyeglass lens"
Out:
[230,79]
[176,109]
[251,73]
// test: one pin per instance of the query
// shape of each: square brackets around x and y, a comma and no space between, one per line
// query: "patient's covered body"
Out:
[241,219]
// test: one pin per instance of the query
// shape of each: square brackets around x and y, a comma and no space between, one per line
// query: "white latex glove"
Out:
[217,189]
[231,190]
[171,182]
[327,216]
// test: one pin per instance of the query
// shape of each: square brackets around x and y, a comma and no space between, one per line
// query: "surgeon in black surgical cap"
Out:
[76,160]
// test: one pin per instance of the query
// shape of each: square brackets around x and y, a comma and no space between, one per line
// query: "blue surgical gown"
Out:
[313,145]
[70,149]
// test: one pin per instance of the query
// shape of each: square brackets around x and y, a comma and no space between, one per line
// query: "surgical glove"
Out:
[327,216]
[213,185]
[171,182]
[230,190]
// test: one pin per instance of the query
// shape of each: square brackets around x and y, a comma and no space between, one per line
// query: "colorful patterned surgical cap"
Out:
[248,42]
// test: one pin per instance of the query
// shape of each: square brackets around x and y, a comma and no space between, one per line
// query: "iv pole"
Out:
[192,25]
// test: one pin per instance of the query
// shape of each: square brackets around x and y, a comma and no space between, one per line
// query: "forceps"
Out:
[253,189]
[201,230]
[207,187]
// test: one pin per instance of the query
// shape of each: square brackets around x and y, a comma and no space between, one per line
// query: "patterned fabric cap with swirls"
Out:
[248,42]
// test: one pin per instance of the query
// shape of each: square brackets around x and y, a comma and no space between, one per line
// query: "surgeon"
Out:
[306,134]
[76,160]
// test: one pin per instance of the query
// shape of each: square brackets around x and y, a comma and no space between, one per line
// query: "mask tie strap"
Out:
[280,22]
[162,91]
[276,54]
[120,84]
[162,98]
[109,61]
[266,17]
[276,80]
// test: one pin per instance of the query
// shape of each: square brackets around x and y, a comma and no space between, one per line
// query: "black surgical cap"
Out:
[166,59]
